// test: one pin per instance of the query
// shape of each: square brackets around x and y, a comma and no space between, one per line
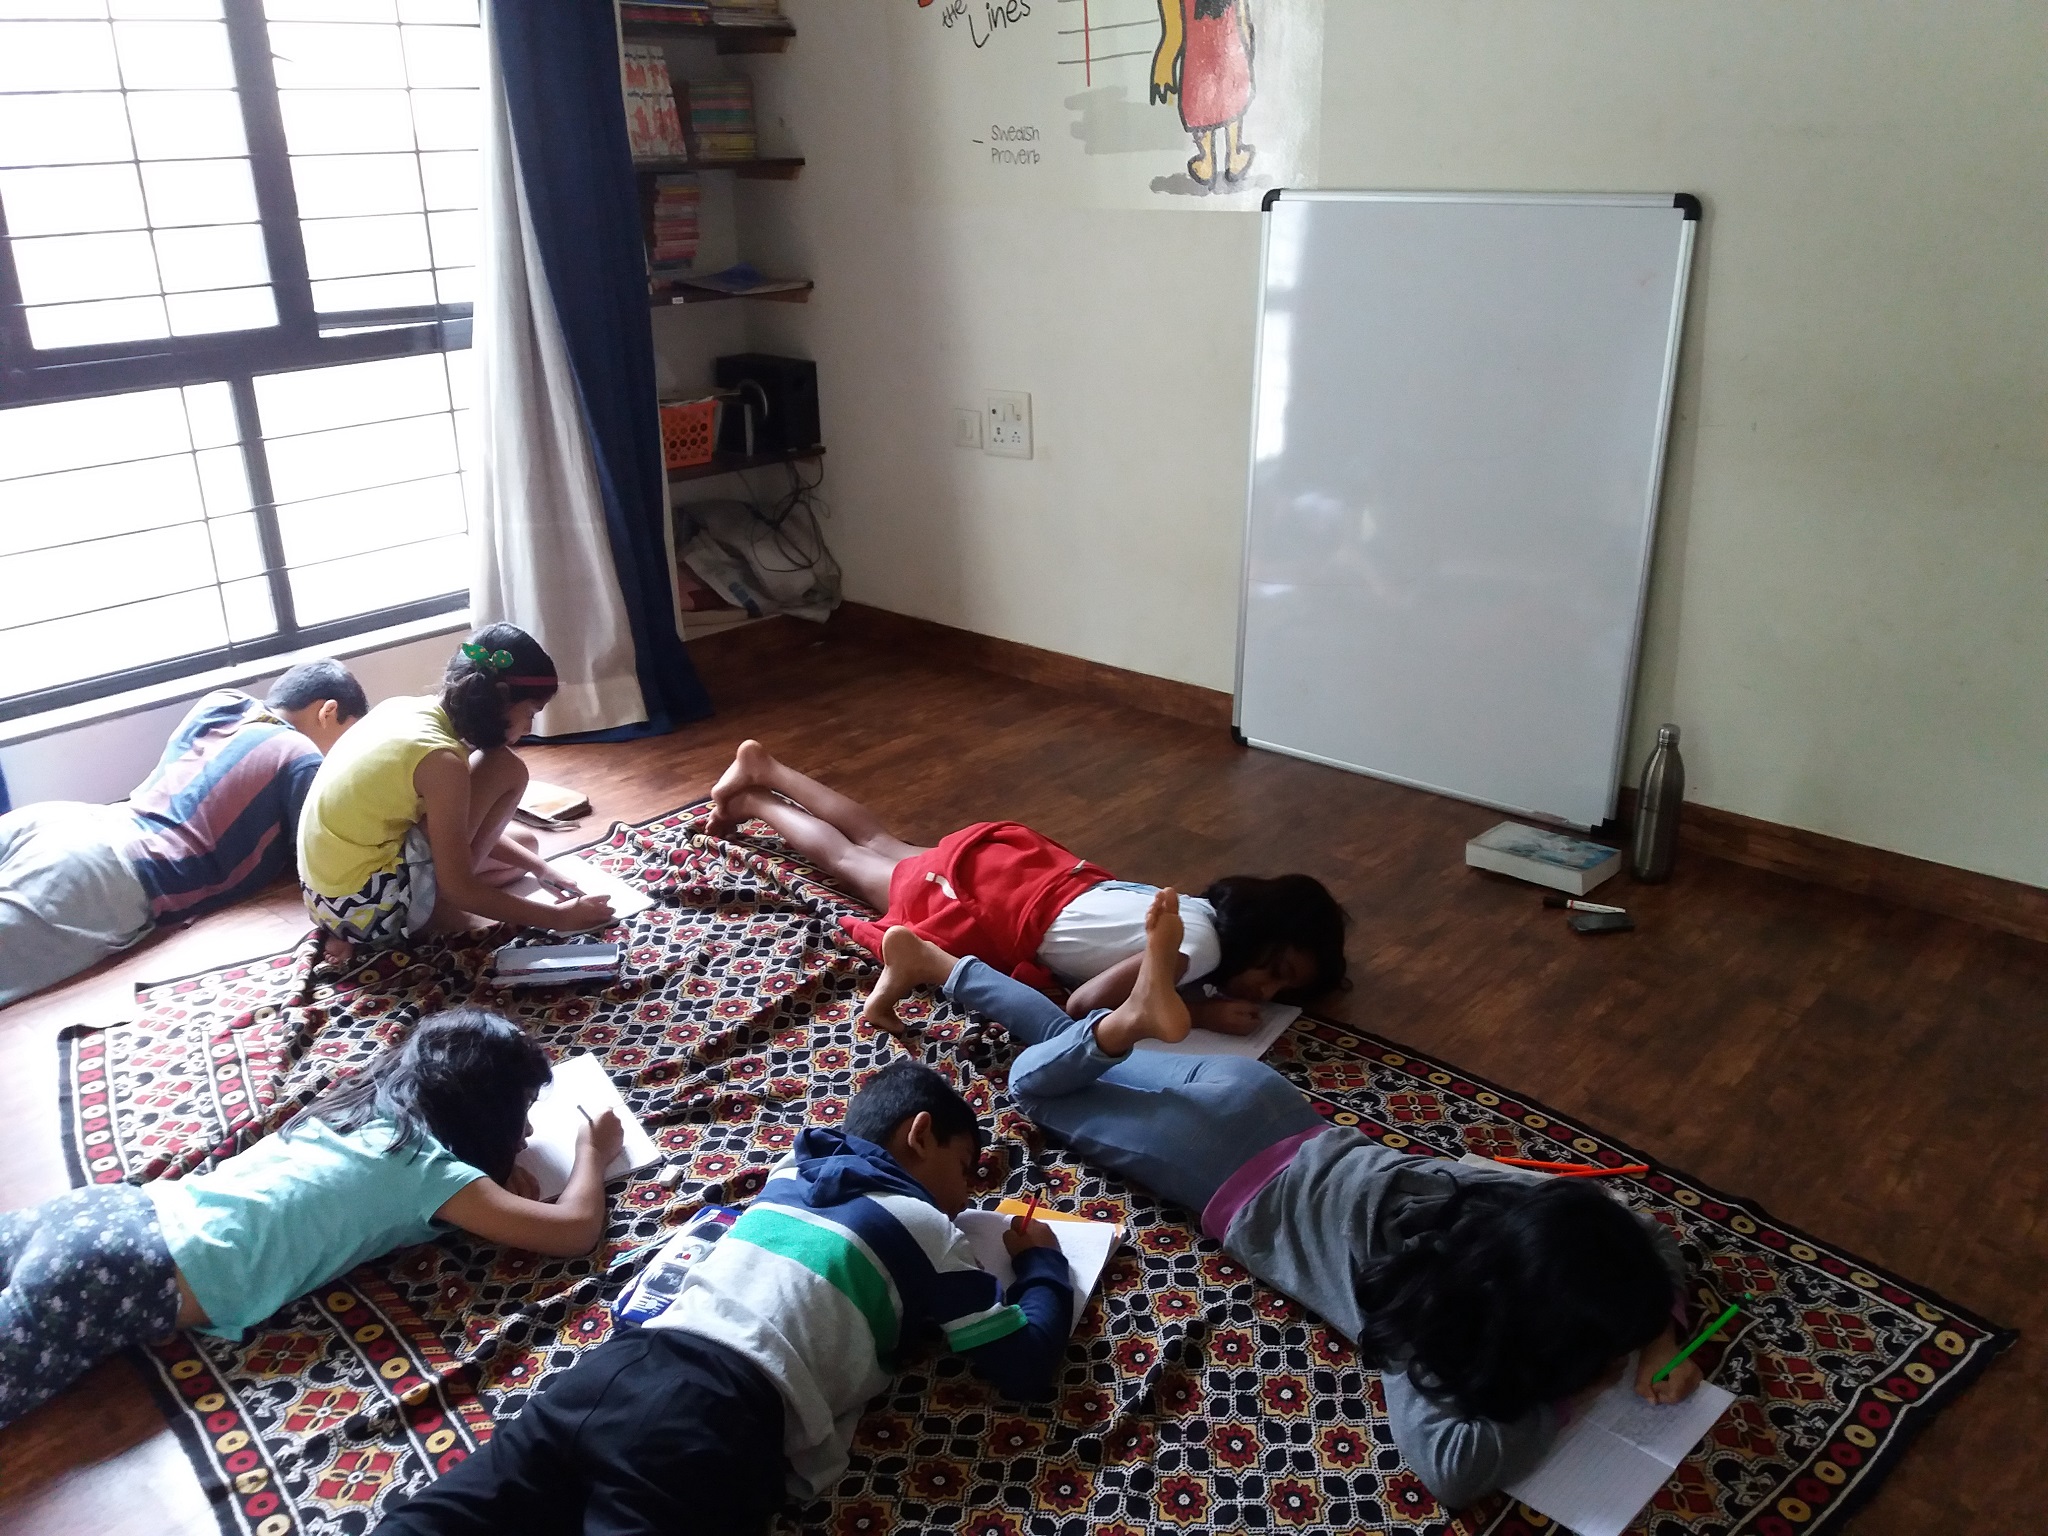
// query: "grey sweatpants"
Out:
[67,897]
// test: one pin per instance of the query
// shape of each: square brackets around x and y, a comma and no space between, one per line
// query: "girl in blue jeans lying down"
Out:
[1492,1303]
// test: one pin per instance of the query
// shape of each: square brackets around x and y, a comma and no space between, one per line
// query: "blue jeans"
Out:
[1179,1125]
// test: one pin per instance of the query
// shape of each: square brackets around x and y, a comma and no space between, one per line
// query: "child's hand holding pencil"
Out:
[1023,1232]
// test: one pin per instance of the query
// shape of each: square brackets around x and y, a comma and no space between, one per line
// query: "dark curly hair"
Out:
[1256,919]
[464,1078]
[479,695]
[1516,1294]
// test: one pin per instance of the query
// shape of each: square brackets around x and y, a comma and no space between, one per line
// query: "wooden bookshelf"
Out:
[727,463]
[773,39]
[773,168]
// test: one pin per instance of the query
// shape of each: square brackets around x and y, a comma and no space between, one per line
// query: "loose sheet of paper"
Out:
[1480,1160]
[1086,1244]
[1612,1458]
[580,1083]
[1273,1021]
[627,900]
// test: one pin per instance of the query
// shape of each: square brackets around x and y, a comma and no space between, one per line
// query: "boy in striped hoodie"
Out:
[753,1378]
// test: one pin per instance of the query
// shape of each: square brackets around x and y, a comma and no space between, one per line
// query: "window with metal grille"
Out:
[237,253]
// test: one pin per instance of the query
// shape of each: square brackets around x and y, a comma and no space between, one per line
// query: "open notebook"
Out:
[627,900]
[580,1083]
[1086,1244]
[1611,1460]
[1273,1021]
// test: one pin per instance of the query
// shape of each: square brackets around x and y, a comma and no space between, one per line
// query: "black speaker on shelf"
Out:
[775,399]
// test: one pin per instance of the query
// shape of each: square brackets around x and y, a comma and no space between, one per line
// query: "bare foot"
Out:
[1154,1010]
[907,961]
[749,765]
[335,950]
[1202,169]
[1239,163]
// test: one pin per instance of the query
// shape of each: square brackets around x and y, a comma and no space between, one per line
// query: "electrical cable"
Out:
[793,523]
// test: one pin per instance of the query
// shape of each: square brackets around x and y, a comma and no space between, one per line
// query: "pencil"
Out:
[1705,1334]
[1594,1173]
[585,1114]
[1030,1211]
[1573,1170]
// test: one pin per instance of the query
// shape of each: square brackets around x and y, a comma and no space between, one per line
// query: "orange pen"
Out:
[1594,1173]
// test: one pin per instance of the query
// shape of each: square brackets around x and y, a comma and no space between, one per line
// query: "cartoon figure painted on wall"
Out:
[1205,57]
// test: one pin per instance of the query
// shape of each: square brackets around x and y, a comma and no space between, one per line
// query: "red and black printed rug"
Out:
[1193,1398]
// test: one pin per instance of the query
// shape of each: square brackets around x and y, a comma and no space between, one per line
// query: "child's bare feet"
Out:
[335,950]
[1154,1010]
[749,765]
[907,961]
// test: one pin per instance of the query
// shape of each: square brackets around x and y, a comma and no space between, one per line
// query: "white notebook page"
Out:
[1086,1244]
[1611,1460]
[580,1083]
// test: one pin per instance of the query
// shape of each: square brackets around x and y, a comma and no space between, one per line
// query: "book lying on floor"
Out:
[1086,1244]
[580,1085]
[1569,864]
[550,806]
[554,965]
[1273,1021]
[1614,1456]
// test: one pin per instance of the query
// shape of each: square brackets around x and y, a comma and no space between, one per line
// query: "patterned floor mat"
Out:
[1193,1397]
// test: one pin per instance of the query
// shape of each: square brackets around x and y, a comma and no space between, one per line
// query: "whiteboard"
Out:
[1459,421]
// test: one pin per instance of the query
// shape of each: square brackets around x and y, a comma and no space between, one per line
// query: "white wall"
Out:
[102,762]
[1848,612]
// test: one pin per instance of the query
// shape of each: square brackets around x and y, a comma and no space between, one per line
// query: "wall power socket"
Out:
[1009,424]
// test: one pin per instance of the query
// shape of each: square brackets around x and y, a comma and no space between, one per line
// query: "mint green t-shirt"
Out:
[297,1210]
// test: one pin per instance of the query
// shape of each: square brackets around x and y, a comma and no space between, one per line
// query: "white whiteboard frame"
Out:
[1685,203]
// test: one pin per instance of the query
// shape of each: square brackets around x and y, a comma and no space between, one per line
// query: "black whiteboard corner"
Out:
[1266,203]
[1239,737]
[1688,205]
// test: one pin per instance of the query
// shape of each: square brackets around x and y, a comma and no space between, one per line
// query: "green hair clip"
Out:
[490,661]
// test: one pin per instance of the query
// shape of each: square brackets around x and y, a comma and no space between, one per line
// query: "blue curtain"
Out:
[4,806]
[563,94]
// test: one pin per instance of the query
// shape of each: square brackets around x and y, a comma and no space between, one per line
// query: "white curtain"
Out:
[543,559]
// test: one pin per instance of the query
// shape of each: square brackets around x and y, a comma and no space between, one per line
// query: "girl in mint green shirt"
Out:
[421,1141]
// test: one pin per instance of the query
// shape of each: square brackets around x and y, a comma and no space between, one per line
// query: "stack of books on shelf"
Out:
[674,244]
[747,13]
[722,119]
[654,129]
[679,13]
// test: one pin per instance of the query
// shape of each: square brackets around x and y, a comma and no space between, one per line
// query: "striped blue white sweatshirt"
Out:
[842,1256]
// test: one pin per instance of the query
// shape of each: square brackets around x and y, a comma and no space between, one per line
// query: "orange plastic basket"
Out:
[688,433]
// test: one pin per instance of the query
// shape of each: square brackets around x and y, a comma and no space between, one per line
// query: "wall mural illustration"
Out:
[1195,104]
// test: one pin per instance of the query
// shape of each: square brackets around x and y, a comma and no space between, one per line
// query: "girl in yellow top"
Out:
[404,829]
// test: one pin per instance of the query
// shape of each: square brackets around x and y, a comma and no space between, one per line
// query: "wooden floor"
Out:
[1873,1074]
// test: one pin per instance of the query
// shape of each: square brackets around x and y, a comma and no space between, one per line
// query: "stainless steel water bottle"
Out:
[1655,844]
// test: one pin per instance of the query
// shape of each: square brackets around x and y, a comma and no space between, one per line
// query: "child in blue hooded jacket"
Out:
[752,1379]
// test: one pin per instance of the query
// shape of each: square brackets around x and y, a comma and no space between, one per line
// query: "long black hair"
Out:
[500,666]
[1515,1295]
[1256,919]
[464,1078]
